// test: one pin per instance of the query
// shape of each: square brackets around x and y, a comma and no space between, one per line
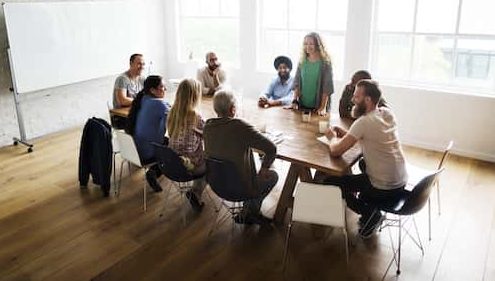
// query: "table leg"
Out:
[295,172]
[287,191]
[305,174]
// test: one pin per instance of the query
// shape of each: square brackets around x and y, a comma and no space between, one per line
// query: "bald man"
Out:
[212,77]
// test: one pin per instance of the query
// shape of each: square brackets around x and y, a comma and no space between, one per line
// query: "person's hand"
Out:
[264,173]
[262,102]
[340,132]
[293,105]
[321,112]
[216,70]
[330,134]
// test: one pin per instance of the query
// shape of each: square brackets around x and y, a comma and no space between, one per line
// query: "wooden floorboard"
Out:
[50,229]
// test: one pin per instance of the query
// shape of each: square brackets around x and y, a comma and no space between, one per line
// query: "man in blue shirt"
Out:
[280,90]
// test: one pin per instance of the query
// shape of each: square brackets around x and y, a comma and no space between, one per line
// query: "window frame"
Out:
[183,57]
[287,30]
[455,82]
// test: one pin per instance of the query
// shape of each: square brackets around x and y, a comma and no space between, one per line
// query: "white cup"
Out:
[306,116]
[323,126]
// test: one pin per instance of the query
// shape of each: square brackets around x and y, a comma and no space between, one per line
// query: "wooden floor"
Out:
[52,230]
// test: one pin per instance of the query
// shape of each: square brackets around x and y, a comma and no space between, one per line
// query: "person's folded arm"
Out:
[258,141]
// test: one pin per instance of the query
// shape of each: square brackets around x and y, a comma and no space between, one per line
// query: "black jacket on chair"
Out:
[95,154]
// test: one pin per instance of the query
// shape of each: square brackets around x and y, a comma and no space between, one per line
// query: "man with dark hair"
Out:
[345,103]
[212,77]
[384,174]
[129,83]
[346,106]
[279,91]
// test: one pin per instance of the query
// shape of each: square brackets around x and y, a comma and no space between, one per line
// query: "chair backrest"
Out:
[419,194]
[170,164]
[127,147]
[225,181]
[446,154]
[319,204]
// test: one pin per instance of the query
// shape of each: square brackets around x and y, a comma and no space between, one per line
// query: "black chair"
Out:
[172,167]
[406,206]
[224,180]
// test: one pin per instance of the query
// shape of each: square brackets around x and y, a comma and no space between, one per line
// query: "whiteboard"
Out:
[59,43]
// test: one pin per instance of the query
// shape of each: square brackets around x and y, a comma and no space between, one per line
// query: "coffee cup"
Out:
[306,116]
[323,126]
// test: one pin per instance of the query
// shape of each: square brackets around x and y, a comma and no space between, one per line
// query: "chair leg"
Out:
[429,219]
[215,223]
[419,238]
[438,197]
[286,250]
[399,247]
[144,192]
[183,207]
[117,191]
[217,208]
[346,240]
[114,175]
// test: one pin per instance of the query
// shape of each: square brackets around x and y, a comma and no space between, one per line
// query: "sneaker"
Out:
[194,201]
[153,181]
[369,230]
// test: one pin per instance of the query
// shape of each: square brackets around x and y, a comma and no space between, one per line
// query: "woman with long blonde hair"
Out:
[313,82]
[185,130]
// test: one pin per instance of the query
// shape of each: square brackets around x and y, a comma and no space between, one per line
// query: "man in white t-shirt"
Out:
[384,174]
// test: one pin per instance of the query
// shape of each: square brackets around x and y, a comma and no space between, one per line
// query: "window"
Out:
[282,25]
[441,42]
[209,25]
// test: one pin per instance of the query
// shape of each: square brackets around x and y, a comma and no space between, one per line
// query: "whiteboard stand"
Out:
[20,120]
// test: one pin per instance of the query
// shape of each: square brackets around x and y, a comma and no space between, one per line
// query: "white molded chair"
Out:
[318,204]
[128,152]
[416,174]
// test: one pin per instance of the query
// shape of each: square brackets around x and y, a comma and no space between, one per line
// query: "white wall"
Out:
[427,119]
[63,107]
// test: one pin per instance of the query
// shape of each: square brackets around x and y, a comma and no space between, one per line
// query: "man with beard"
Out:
[212,76]
[279,91]
[384,174]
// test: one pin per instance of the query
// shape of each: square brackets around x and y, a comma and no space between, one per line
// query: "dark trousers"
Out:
[155,168]
[361,196]
[265,185]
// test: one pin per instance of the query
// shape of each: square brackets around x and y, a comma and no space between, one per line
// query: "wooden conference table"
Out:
[299,147]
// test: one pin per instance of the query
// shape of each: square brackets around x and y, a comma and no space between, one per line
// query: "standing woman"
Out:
[313,83]
[147,124]
[185,126]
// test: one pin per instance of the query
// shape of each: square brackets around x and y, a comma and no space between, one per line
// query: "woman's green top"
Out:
[310,73]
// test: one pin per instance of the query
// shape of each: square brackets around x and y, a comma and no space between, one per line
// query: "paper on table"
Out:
[324,140]
[276,136]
